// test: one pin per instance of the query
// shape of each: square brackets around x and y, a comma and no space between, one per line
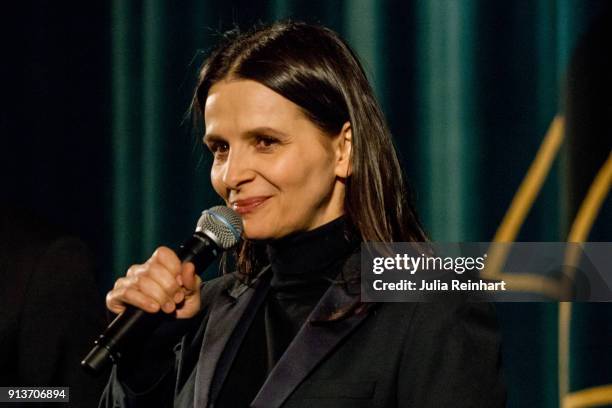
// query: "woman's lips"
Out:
[248,205]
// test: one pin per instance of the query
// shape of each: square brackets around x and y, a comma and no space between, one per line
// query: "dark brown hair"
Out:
[315,69]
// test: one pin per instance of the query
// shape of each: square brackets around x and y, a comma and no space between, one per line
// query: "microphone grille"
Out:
[222,224]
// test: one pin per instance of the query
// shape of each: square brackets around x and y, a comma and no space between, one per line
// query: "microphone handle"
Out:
[198,249]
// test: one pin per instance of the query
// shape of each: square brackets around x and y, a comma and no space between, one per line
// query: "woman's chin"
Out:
[263,232]
[257,234]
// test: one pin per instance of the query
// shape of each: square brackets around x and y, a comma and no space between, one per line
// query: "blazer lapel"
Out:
[227,324]
[311,345]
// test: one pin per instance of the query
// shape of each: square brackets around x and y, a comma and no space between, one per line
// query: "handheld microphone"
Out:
[218,229]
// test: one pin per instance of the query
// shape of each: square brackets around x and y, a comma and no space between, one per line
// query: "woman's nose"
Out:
[237,170]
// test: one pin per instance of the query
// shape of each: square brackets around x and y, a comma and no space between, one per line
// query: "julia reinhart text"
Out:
[438,285]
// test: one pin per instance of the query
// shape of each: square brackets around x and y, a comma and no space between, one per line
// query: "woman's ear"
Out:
[343,151]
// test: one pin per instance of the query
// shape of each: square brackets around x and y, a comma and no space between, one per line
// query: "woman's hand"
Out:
[163,282]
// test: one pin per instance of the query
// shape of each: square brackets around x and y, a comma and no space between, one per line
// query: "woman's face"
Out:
[272,165]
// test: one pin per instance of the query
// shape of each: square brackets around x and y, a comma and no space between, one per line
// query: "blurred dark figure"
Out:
[50,310]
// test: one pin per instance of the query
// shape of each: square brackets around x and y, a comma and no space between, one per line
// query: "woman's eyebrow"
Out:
[258,131]
[211,137]
[265,130]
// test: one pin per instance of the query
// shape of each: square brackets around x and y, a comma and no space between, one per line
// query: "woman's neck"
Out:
[308,258]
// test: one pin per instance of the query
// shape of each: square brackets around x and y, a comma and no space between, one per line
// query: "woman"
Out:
[302,152]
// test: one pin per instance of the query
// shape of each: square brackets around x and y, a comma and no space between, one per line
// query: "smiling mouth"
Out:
[248,205]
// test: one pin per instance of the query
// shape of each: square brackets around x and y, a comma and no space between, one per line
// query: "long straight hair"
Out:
[314,68]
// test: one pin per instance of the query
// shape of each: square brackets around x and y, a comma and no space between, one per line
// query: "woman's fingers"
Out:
[163,282]
[150,286]
[154,285]
[117,299]
[142,292]
[167,258]
[164,278]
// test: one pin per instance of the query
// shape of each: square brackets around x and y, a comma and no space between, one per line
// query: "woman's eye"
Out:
[266,142]
[218,148]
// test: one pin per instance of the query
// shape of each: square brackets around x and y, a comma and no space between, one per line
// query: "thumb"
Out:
[190,281]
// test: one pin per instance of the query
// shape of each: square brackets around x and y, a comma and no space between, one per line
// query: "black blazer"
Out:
[394,355]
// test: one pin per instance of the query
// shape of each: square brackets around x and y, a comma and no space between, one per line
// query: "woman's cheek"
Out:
[215,179]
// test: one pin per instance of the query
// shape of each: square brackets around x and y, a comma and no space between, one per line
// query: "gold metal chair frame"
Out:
[508,230]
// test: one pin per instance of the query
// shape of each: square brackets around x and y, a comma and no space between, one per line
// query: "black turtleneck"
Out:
[303,265]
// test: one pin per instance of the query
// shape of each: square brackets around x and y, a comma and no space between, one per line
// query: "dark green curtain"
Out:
[469,89]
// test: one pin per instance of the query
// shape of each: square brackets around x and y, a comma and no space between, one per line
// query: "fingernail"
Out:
[178,297]
[169,306]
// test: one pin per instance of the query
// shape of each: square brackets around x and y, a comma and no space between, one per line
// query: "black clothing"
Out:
[296,287]
[392,355]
